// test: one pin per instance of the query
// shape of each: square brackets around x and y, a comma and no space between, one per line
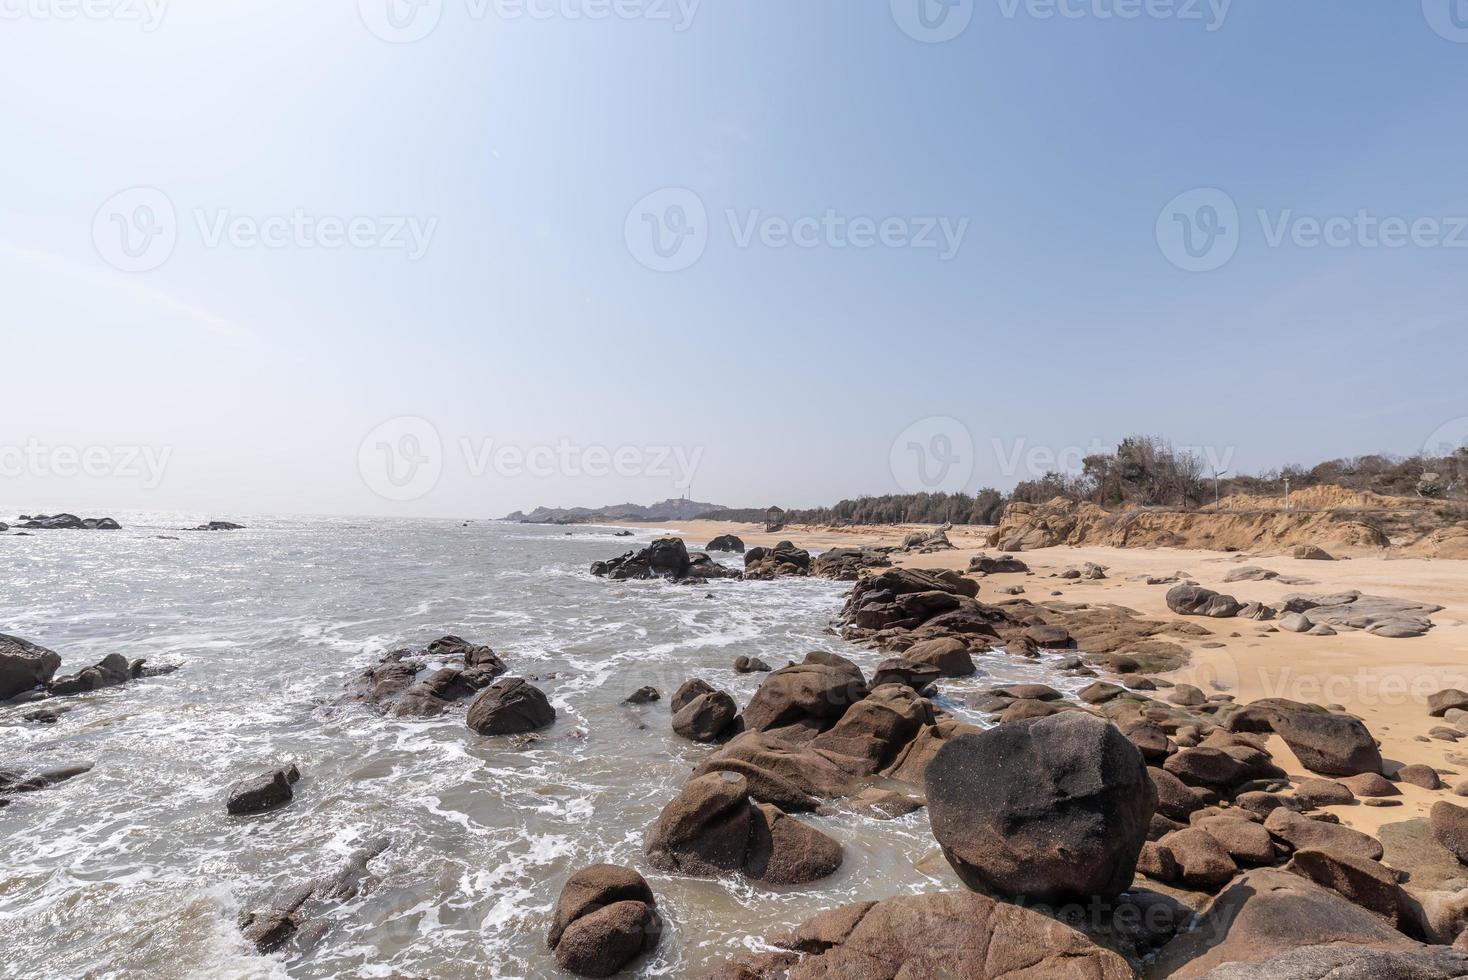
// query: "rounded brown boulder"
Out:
[713,827]
[1328,744]
[605,917]
[1050,809]
[812,694]
[1450,827]
[707,718]
[950,656]
[510,706]
[24,665]
[956,935]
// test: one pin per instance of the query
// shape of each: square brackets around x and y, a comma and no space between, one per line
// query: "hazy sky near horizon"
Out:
[458,257]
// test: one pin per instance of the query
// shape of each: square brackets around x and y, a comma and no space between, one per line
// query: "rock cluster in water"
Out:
[27,672]
[665,558]
[67,522]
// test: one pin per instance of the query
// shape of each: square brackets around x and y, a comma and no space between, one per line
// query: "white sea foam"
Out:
[135,868]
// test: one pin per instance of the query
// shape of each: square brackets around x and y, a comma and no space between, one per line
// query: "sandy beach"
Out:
[1385,682]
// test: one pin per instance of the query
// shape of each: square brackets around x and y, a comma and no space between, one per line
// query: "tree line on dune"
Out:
[1147,471]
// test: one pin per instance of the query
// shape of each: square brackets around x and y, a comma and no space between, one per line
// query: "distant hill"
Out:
[667,510]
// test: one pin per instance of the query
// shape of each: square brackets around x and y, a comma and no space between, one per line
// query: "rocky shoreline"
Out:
[1138,827]
[1143,830]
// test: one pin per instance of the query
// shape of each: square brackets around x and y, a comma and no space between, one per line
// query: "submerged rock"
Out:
[713,827]
[267,791]
[666,558]
[605,917]
[272,927]
[113,670]
[703,714]
[32,781]
[69,522]
[425,682]
[510,706]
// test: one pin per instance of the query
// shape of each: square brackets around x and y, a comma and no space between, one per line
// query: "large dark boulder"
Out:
[726,542]
[264,792]
[24,666]
[1174,799]
[606,916]
[689,690]
[510,706]
[909,598]
[57,522]
[1206,767]
[1050,809]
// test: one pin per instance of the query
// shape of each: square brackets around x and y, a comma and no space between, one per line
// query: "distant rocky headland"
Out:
[673,509]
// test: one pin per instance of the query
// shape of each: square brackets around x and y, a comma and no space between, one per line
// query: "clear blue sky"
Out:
[521,144]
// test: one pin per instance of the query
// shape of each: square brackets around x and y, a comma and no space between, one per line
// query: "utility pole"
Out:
[1217,499]
[1287,493]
